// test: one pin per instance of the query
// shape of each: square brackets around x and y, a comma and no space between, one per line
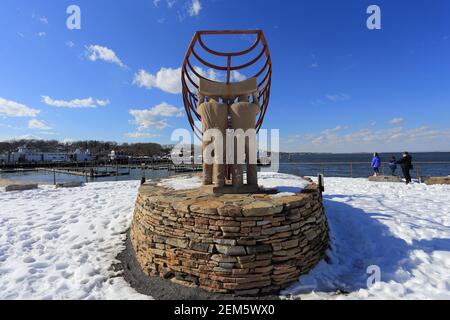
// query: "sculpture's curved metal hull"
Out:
[190,73]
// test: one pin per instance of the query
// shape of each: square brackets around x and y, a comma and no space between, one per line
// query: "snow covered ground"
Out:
[60,243]
[286,184]
[402,231]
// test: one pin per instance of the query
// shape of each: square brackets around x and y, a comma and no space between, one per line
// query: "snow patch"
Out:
[402,229]
[284,183]
[181,183]
[61,243]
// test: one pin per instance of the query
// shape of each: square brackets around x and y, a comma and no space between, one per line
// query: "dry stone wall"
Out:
[247,244]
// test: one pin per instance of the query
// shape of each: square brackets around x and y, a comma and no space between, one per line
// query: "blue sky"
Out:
[337,86]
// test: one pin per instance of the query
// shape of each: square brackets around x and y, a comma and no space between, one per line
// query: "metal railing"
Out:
[363,169]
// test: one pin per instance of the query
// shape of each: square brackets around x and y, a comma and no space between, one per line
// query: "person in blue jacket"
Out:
[376,163]
[393,165]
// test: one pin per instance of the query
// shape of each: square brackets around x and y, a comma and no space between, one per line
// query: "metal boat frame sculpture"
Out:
[264,75]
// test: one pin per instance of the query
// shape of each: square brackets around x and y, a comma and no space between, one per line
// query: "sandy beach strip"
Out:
[7,182]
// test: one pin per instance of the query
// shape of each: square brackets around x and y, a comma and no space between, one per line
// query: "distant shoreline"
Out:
[356,153]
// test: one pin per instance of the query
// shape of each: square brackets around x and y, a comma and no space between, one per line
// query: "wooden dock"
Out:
[19,170]
[91,173]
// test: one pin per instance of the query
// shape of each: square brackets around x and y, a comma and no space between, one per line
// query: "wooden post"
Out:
[320,182]
[54,176]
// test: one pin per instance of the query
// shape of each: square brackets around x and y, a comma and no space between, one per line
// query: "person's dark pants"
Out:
[407,175]
[393,172]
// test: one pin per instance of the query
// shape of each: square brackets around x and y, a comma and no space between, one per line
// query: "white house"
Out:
[83,156]
[55,156]
[117,155]
[23,154]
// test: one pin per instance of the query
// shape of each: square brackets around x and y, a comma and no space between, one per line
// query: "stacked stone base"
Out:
[242,244]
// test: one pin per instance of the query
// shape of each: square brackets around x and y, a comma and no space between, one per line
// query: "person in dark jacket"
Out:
[406,164]
[376,163]
[393,165]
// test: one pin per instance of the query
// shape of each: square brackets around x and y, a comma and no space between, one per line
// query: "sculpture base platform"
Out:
[244,244]
[229,189]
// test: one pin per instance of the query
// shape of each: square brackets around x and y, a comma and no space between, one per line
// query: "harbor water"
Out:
[331,165]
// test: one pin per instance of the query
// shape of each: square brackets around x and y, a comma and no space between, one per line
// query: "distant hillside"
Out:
[98,148]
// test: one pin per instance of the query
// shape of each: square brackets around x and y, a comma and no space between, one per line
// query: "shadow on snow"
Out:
[360,240]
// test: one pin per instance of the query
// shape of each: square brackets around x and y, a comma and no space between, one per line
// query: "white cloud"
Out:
[2,125]
[49,133]
[43,20]
[194,8]
[28,137]
[75,103]
[41,34]
[169,80]
[368,139]
[396,121]
[170,3]
[166,110]
[10,108]
[37,124]
[237,76]
[210,74]
[20,34]
[166,79]
[338,97]
[314,65]
[141,135]
[70,44]
[180,16]
[96,52]
[334,130]
[153,118]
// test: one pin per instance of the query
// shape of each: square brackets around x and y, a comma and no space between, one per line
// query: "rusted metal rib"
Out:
[264,75]
[229,54]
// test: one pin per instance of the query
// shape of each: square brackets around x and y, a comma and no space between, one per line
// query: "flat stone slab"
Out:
[70,185]
[20,187]
[229,189]
[436,180]
[385,179]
